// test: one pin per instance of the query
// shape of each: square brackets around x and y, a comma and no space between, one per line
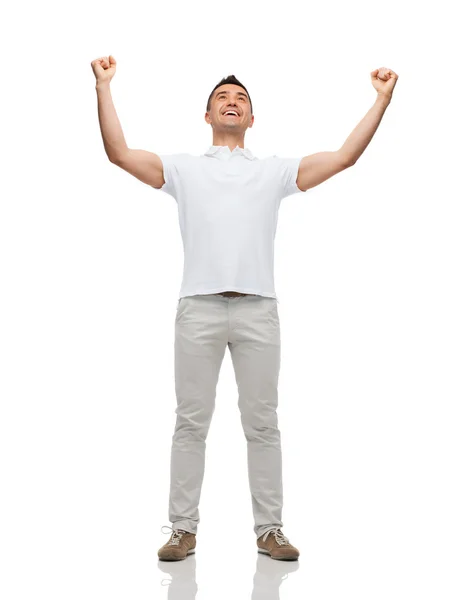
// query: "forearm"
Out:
[111,131]
[361,136]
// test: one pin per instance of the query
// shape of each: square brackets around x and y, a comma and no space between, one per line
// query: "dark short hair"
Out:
[229,79]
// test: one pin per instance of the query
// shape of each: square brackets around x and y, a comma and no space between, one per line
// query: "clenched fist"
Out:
[104,68]
[384,80]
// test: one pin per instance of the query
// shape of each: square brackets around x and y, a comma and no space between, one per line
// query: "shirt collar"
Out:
[225,152]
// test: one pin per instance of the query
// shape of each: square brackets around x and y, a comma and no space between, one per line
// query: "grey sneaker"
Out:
[179,546]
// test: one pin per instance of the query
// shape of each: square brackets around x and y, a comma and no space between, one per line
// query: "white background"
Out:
[371,270]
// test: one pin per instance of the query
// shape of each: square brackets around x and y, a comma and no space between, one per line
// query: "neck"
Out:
[228,140]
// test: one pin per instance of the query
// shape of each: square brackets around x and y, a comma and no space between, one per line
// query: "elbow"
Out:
[346,160]
[117,157]
[113,159]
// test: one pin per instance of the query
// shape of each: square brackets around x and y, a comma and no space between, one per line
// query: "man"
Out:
[228,203]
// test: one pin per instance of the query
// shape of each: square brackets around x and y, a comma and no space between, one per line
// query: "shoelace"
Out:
[281,539]
[176,535]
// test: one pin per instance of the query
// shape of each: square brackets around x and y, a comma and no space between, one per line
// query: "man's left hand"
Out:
[384,80]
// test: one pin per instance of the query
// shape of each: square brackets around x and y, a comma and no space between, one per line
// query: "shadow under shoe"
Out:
[179,546]
[269,576]
[182,585]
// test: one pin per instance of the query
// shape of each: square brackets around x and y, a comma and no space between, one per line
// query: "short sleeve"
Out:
[172,167]
[288,173]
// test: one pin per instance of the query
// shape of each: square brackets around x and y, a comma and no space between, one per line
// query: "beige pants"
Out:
[204,326]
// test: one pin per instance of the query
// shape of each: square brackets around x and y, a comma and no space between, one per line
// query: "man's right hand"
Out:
[104,69]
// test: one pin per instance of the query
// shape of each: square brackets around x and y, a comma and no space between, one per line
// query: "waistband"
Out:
[226,295]
[233,294]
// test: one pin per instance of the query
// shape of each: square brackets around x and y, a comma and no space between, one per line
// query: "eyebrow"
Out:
[227,91]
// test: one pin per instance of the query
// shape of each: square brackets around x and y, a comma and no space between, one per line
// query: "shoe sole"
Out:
[175,559]
[276,557]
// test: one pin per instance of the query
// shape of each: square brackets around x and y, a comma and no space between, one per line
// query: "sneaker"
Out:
[179,546]
[277,545]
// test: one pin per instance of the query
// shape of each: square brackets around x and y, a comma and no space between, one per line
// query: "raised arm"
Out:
[316,168]
[145,166]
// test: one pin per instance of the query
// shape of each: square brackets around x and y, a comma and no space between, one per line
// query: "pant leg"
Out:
[254,343]
[201,336]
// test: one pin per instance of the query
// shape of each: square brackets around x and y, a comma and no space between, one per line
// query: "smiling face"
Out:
[230,98]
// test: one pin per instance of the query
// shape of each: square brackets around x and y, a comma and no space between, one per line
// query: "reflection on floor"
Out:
[269,574]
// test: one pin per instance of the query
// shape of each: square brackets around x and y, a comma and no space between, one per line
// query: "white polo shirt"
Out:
[228,212]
